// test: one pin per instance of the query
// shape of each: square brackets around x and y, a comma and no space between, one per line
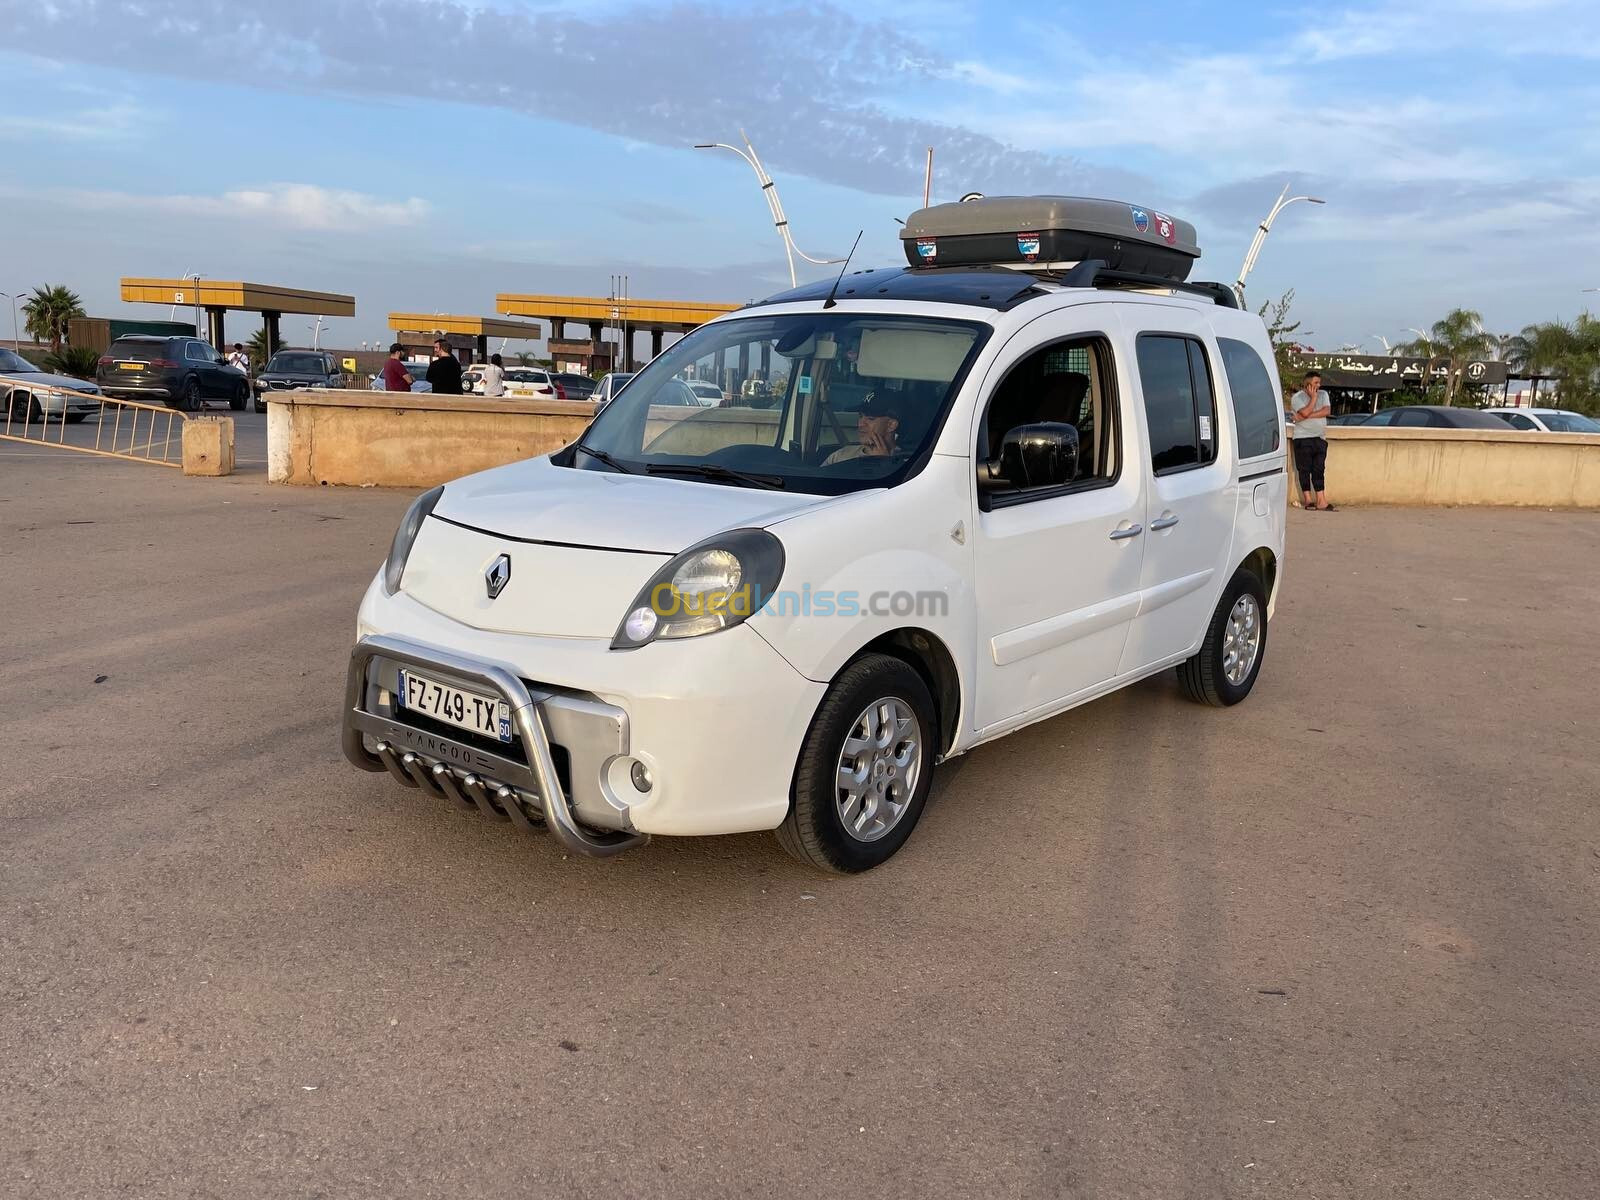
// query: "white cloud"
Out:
[105,123]
[286,205]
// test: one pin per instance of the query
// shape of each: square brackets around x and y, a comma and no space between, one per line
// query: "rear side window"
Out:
[1179,407]
[1255,402]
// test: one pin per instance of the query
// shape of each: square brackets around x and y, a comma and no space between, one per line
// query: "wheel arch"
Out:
[927,655]
[1263,564]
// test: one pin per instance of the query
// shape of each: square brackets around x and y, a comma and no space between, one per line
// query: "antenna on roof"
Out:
[830,301]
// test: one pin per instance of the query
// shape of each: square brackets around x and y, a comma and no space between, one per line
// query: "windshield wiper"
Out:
[602,456]
[718,471]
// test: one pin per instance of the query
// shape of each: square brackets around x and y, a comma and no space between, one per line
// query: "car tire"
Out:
[189,396]
[240,399]
[23,408]
[74,418]
[877,719]
[1229,660]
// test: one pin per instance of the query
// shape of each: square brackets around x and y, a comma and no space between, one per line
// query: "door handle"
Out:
[1126,532]
[1166,522]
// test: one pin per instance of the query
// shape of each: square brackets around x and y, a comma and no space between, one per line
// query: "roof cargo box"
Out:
[1051,229]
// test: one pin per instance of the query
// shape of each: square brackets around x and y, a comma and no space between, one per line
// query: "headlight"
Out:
[714,585]
[410,525]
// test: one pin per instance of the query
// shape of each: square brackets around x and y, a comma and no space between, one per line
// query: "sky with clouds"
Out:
[426,154]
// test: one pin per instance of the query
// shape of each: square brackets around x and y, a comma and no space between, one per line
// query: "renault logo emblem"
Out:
[498,575]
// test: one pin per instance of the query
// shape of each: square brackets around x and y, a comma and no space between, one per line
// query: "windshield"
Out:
[303,364]
[15,364]
[836,402]
[516,376]
[1565,422]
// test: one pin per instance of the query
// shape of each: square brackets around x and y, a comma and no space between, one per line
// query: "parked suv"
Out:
[976,499]
[291,369]
[181,372]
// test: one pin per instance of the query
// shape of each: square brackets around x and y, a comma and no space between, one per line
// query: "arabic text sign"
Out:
[1382,372]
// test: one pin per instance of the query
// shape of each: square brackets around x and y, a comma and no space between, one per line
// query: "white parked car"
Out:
[29,394]
[981,499]
[419,378]
[708,393]
[1547,420]
[610,384]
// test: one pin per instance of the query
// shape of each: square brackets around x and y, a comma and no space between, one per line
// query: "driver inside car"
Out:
[877,424]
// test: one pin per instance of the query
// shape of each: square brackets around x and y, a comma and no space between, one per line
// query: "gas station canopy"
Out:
[217,296]
[460,332]
[655,317]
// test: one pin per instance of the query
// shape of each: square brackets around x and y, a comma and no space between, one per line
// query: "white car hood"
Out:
[537,501]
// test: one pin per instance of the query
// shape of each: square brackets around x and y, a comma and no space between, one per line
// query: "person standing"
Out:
[444,372]
[494,377]
[238,358]
[1311,410]
[395,376]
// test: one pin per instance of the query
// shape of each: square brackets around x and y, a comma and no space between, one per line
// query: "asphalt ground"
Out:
[146,432]
[1339,941]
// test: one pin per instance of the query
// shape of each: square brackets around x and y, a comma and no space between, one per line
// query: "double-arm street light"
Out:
[770,189]
[16,342]
[1284,200]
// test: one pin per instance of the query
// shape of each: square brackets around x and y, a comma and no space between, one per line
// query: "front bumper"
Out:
[500,786]
[717,721]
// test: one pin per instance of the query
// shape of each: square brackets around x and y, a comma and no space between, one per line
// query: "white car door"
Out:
[1187,465]
[1056,569]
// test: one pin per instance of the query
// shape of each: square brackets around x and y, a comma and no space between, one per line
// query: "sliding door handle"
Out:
[1166,522]
[1126,532]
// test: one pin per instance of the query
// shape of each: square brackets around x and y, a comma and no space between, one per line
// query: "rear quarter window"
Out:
[1255,400]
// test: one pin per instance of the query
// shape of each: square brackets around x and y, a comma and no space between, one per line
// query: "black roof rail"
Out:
[1093,273]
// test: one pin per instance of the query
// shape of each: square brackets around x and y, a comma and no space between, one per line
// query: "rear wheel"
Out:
[189,396]
[1225,668]
[240,398]
[864,769]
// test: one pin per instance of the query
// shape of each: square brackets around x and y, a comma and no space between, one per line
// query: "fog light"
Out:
[640,775]
[641,623]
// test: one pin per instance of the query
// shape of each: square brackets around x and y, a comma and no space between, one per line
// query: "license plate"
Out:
[130,366]
[482,715]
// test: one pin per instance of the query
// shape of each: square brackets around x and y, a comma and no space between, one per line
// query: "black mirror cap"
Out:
[1039,455]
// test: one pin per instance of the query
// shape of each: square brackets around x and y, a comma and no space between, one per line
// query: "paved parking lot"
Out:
[1337,942]
[249,436]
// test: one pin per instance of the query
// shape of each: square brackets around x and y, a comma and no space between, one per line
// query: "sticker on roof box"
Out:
[1167,228]
[1028,245]
[1141,220]
[927,248]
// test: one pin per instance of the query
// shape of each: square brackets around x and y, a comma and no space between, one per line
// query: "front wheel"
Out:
[864,769]
[1225,668]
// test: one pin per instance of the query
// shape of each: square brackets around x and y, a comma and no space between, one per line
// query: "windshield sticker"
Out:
[1141,220]
[927,249]
[1028,245]
[1167,228]
[803,387]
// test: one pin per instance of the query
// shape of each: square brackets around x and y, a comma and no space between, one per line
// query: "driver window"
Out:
[1065,383]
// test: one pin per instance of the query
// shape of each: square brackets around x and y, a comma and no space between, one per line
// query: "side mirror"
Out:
[1039,455]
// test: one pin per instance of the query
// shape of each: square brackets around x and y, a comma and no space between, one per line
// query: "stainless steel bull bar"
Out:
[489,782]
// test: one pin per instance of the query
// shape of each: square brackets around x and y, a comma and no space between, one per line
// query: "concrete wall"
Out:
[398,439]
[1462,467]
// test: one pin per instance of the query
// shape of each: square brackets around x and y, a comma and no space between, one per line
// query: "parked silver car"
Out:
[31,394]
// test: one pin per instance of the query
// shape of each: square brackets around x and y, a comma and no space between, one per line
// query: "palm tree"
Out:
[1455,340]
[256,347]
[1569,353]
[48,310]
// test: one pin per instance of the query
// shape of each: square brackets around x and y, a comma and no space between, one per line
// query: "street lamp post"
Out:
[16,341]
[1284,200]
[779,221]
[1387,349]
